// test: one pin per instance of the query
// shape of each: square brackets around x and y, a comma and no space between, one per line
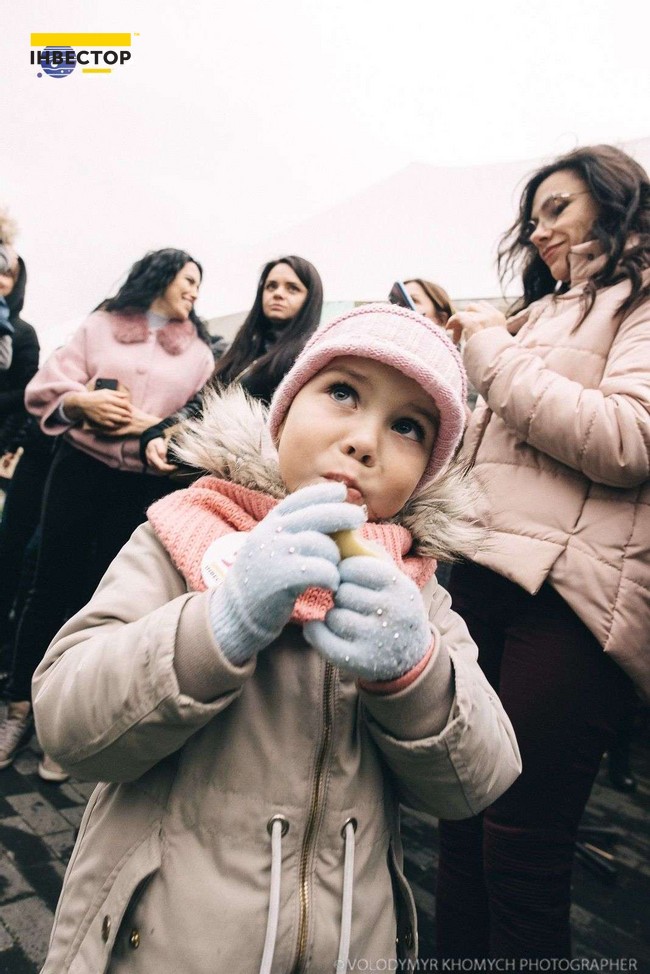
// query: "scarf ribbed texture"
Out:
[188,521]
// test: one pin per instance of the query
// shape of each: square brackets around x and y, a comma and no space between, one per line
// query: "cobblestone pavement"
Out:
[38,822]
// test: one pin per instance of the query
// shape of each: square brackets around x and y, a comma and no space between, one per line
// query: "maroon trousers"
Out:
[504,879]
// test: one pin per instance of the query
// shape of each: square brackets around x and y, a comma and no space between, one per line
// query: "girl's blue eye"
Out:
[341,392]
[409,428]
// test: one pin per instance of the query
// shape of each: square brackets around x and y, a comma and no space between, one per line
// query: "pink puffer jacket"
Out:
[561,445]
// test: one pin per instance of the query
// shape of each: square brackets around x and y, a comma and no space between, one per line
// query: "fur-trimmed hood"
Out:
[231,440]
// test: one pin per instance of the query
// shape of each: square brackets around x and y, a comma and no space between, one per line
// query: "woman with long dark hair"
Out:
[286,310]
[135,359]
[561,446]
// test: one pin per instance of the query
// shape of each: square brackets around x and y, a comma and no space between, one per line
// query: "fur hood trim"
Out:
[231,440]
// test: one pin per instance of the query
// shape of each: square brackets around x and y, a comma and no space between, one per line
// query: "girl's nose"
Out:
[361,444]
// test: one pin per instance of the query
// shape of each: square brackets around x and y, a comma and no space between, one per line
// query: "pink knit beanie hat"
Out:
[396,336]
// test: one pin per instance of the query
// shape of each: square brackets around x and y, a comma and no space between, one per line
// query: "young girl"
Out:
[256,705]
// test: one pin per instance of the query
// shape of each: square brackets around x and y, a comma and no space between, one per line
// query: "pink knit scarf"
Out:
[188,521]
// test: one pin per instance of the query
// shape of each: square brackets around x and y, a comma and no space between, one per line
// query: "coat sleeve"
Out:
[24,365]
[6,352]
[604,433]
[190,410]
[446,738]
[106,698]
[66,370]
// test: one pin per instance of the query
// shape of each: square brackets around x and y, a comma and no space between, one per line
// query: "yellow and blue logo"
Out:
[59,54]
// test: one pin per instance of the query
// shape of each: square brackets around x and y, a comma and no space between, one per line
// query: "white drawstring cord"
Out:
[346,903]
[277,826]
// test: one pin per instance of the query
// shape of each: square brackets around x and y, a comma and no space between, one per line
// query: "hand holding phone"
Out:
[106,405]
[399,295]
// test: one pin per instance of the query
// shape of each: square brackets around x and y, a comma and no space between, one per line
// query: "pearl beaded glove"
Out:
[378,628]
[287,553]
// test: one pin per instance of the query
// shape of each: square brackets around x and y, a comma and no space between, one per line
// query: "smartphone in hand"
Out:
[399,295]
[96,386]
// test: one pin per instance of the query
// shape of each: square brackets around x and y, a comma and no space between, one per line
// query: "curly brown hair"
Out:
[620,187]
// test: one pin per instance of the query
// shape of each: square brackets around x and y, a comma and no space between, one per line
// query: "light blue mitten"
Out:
[287,553]
[378,627]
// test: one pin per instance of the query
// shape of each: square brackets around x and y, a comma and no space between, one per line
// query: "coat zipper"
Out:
[312,820]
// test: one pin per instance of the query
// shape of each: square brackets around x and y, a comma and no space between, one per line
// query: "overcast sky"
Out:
[234,122]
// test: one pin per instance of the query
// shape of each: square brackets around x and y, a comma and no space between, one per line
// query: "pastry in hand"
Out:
[351,544]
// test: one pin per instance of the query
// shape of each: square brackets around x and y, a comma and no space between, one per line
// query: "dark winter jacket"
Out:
[24,365]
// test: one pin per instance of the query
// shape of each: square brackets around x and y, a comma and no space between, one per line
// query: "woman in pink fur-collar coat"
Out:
[137,358]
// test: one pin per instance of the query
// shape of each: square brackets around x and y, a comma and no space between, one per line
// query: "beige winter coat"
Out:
[561,445]
[171,871]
